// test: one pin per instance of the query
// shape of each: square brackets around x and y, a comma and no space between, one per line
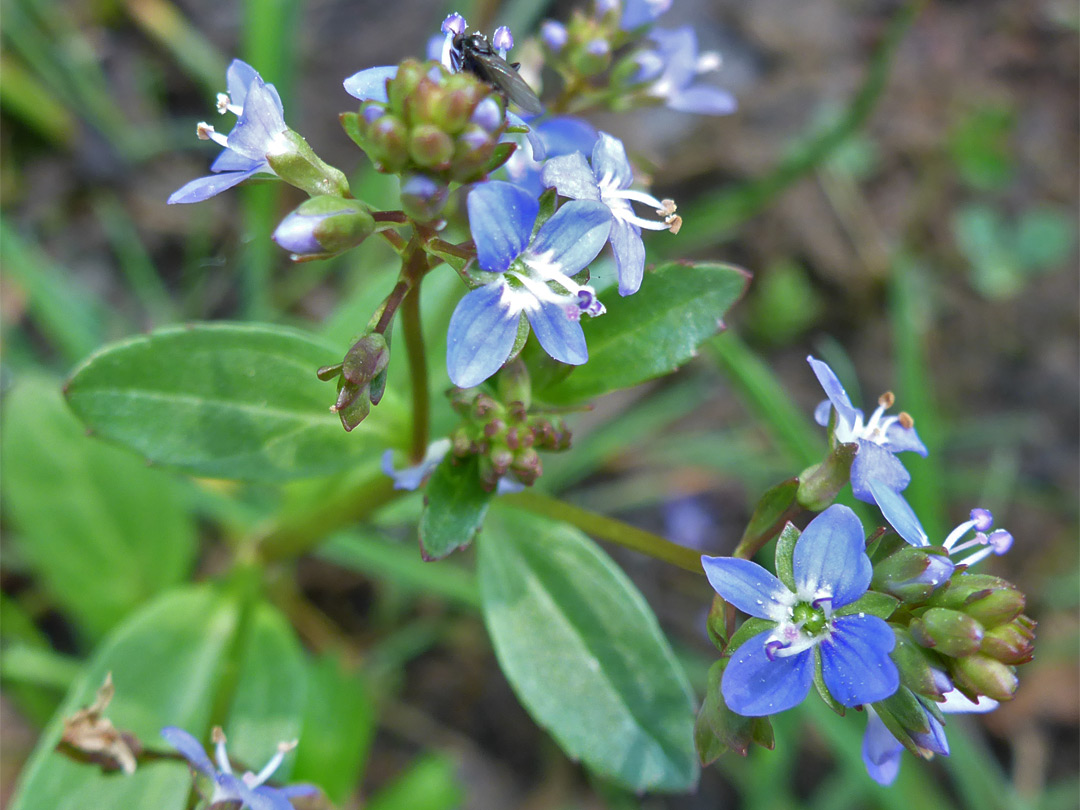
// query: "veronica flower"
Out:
[529,275]
[879,438]
[898,512]
[672,69]
[637,13]
[881,750]
[608,180]
[249,789]
[260,120]
[560,136]
[773,670]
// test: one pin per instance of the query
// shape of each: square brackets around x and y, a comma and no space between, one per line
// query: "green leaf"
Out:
[876,604]
[785,551]
[165,662]
[101,531]
[339,726]
[430,783]
[584,653]
[454,508]
[268,703]
[653,333]
[224,400]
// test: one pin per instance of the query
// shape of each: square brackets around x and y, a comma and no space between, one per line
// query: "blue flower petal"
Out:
[481,335]
[898,513]
[266,798]
[855,660]
[900,439]
[230,161]
[370,84]
[880,751]
[833,390]
[874,463]
[564,135]
[190,748]
[501,218]
[831,555]
[558,333]
[609,161]
[679,50]
[822,412]
[933,740]
[536,143]
[238,78]
[629,253]
[203,188]
[259,125]
[298,790]
[573,236]
[571,177]
[747,586]
[755,686]
[703,99]
[637,13]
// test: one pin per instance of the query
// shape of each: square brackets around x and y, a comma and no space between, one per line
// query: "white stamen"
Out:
[205,132]
[957,533]
[222,757]
[708,61]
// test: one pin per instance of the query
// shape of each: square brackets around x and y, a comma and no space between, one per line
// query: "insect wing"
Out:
[496,71]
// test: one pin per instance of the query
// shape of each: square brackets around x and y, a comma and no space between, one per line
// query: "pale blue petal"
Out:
[202,188]
[833,389]
[880,751]
[238,78]
[298,790]
[755,686]
[480,337]
[536,143]
[831,555]
[629,253]
[747,586]
[900,439]
[678,46]
[933,740]
[898,513]
[558,333]
[822,412]
[703,99]
[370,84]
[265,798]
[855,660]
[190,748]
[571,177]
[230,161]
[609,162]
[637,13]
[573,236]
[874,463]
[260,124]
[501,218]
[565,135]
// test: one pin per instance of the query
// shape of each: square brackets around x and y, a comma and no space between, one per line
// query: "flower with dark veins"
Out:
[818,621]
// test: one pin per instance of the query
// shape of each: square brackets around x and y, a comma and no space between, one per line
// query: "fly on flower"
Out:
[487,61]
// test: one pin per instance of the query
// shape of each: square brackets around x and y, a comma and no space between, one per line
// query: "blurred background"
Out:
[901,180]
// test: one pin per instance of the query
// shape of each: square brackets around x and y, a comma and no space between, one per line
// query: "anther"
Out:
[223,102]
[906,420]
[204,131]
[887,399]
[217,736]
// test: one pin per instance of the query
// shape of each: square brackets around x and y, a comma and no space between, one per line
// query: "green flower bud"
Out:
[401,88]
[1011,643]
[324,226]
[368,357]
[948,632]
[911,574]
[991,600]
[295,162]
[982,675]
[387,143]
[915,670]
[430,147]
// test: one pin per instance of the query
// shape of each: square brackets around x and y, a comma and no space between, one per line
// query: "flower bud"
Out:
[368,357]
[324,226]
[295,162]
[1011,643]
[983,675]
[423,198]
[915,670]
[991,600]
[401,88]
[948,632]
[911,574]
[386,143]
[819,485]
[554,35]
[430,147]
[594,58]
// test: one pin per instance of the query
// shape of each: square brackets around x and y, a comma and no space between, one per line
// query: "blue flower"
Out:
[608,180]
[881,750]
[672,68]
[637,13]
[773,670]
[898,512]
[559,136]
[486,323]
[879,438]
[260,120]
[247,789]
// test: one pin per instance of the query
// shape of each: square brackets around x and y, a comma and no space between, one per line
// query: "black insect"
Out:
[473,53]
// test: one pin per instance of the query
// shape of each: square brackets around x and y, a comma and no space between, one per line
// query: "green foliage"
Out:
[101,531]
[223,400]
[573,636]
[980,146]
[653,333]
[430,783]
[454,508]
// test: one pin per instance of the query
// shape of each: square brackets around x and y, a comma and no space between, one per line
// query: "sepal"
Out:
[295,162]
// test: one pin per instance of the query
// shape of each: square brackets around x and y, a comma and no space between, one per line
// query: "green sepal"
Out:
[716,623]
[913,662]
[785,550]
[903,713]
[499,156]
[822,689]
[819,485]
[350,122]
[298,165]
[719,729]
[523,332]
[873,603]
[747,630]
[771,508]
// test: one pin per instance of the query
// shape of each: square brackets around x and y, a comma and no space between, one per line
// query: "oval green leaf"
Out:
[225,400]
[652,333]
[585,654]
[455,503]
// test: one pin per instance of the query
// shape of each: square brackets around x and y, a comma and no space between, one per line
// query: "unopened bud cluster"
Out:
[505,437]
[445,126]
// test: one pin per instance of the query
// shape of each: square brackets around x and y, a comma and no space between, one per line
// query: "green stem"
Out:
[414,347]
[609,529]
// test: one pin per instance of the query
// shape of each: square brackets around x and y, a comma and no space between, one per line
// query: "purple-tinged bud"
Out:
[982,675]
[598,47]
[386,143]
[454,25]
[296,234]
[554,35]
[915,670]
[502,40]
[488,115]
[527,466]
[606,6]
[473,151]
[501,460]
[942,682]
[367,358]
[594,58]
[430,147]
[948,632]
[991,600]
[372,112]
[932,741]
[422,197]
[982,519]
[911,574]
[1012,643]
[324,226]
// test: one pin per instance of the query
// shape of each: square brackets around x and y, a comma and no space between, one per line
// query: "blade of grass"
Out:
[24,97]
[196,55]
